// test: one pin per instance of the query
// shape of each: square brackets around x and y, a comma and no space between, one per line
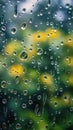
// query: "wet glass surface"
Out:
[36,65]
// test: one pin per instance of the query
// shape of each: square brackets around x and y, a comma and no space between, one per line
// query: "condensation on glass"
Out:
[36,64]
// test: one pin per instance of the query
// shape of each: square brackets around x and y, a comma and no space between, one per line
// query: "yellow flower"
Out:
[69,61]
[46,79]
[52,33]
[16,70]
[69,41]
[38,37]
[68,79]
[11,47]
[66,99]
[44,36]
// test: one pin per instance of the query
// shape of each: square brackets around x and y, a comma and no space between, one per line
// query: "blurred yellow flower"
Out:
[69,61]
[52,33]
[38,37]
[68,41]
[11,47]
[43,36]
[16,70]
[46,79]
[66,99]
[31,52]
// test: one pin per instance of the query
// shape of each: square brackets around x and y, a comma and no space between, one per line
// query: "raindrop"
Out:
[67,5]
[30,21]
[24,25]
[18,126]
[38,87]
[3,28]
[4,101]
[12,60]
[17,79]
[25,92]
[71,109]
[23,55]
[55,104]
[39,97]
[3,84]
[30,102]
[4,126]
[62,43]
[26,81]
[13,30]
[24,106]
[39,51]
[24,9]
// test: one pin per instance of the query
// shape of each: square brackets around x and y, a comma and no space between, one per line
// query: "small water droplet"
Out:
[17,79]
[3,28]
[24,106]
[67,5]
[55,104]
[12,60]
[26,81]
[39,51]
[39,97]
[3,84]
[24,9]
[25,92]
[24,25]
[30,102]
[4,101]
[18,126]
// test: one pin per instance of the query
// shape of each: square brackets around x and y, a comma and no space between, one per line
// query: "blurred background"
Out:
[36,64]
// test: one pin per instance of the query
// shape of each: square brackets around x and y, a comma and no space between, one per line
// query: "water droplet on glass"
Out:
[4,101]
[39,51]
[3,28]
[67,5]
[26,81]
[55,104]
[23,55]
[13,30]
[24,106]
[17,79]
[18,126]
[24,25]
[15,15]
[25,92]
[30,102]
[3,84]
[39,97]
[24,9]
[12,60]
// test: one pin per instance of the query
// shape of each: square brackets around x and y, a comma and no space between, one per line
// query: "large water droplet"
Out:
[13,30]
[23,55]
[3,84]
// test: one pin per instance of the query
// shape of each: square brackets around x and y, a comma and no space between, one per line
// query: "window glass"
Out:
[36,64]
